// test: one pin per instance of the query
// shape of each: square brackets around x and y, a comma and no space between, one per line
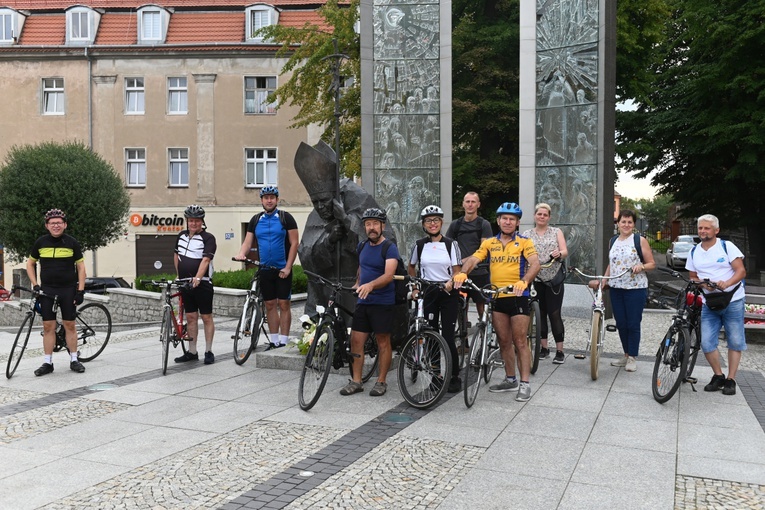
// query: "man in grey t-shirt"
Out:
[469,231]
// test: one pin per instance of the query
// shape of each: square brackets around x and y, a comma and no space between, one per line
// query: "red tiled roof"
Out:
[116,28]
[206,27]
[297,19]
[37,5]
[44,30]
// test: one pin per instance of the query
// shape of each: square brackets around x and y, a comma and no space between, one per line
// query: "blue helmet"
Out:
[510,208]
[269,190]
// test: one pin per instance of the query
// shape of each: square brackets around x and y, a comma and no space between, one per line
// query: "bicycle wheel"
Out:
[695,347]
[534,334]
[493,356]
[474,365]
[371,359]
[165,337]
[596,329]
[424,369]
[318,363]
[461,333]
[247,330]
[671,364]
[19,345]
[94,328]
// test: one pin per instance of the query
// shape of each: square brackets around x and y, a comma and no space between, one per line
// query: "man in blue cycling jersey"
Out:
[272,236]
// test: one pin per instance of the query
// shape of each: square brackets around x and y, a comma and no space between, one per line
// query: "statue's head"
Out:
[322,202]
[316,168]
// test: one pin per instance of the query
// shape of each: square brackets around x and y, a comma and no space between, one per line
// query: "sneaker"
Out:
[717,383]
[504,386]
[76,366]
[524,392]
[187,356]
[45,368]
[455,385]
[209,358]
[379,389]
[351,388]
[620,362]
[544,353]
[274,346]
[559,358]
[631,364]
[730,387]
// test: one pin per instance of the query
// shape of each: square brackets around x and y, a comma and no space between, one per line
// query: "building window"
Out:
[260,168]
[179,167]
[260,16]
[256,91]
[79,26]
[135,167]
[6,28]
[177,96]
[134,96]
[151,28]
[53,96]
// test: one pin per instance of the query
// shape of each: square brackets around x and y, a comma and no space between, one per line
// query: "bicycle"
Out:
[595,342]
[425,366]
[173,328]
[676,357]
[253,320]
[331,347]
[93,323]
[461,329]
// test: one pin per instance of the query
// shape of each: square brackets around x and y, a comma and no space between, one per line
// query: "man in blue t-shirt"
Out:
[374,309]
[272,236]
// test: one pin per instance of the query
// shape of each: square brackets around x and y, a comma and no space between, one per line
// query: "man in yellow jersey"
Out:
[512,261]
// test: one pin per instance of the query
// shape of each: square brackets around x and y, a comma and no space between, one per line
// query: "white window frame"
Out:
[178,165]
[258,104]
[7,26]
[78,16]
[263,161]
[177,95]
[156,31]
[135,96]
[259,16]
[135,167]
[53,96]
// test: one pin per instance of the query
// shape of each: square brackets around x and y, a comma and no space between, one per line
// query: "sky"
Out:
[628,186]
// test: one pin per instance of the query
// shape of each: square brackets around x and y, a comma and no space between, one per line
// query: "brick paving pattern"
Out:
[704,494]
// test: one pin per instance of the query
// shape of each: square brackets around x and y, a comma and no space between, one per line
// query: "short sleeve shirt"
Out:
[371,267]
[715,263]
[58,258]
[436,264]
[191,250]
[508,264]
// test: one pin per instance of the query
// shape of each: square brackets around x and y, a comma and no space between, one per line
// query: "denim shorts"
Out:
[732,318]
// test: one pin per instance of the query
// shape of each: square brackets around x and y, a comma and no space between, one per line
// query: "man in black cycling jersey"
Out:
[194,251]
[62,274]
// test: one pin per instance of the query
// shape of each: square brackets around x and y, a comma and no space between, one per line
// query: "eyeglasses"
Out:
[432,220]
[56,223]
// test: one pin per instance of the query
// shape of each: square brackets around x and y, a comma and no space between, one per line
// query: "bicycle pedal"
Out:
[611,328]
[579,356]
[691,380]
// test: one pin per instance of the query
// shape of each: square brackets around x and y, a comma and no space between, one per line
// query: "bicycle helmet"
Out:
[431,210]
[55,213]
[373,213]
[194,211]
[510,208]
[269,190]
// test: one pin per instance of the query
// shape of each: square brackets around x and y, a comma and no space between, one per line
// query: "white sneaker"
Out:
[631,365]
[620,362]
[524,392]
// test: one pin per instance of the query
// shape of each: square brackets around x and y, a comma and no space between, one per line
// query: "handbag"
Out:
[559,277]
[717,301]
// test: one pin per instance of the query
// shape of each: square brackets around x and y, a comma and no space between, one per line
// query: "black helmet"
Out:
[55,213]
[194,211]
[373,213]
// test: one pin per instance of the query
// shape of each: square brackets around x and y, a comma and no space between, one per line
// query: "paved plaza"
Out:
[122,435]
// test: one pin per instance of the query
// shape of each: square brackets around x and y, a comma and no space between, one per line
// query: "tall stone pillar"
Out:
[567,120]
[205,107]
[406,111]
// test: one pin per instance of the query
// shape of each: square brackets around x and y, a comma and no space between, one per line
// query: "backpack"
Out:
[725,247]
[279,212]
[636,238]
[420,243]
[400,285]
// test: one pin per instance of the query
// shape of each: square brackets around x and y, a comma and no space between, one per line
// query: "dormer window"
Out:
[81,25]
[10,26]
[260,16]
[152,24]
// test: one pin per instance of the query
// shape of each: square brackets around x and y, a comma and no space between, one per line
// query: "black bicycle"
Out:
[676,357]
[253,320]
[92,321]
[330,347]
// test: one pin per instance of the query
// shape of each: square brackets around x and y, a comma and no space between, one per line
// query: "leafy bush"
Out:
[299,280]
[238,279]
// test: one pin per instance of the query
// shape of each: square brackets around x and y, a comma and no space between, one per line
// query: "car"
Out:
[677,254]
[99,284]
[688,239]
[5,294]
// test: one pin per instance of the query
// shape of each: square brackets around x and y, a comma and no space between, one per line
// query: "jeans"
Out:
[628,307]
[732,318]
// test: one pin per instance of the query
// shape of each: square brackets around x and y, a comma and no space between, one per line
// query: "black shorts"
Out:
[376,319]
[65,303]
[272,287]
[199,299]
[512,305]
[480,280]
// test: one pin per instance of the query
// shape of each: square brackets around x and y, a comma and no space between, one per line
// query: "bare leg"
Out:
[192,328]
[520,325]
[358,339]
[385,352]
[71,336]
[285,317]
[503,329]
[49,336]
[734,358]
[209,325]
[713,358]
[272,315]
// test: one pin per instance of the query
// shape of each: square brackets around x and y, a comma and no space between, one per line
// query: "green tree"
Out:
[66,176]
[310,85]
[655,211]
[701,129]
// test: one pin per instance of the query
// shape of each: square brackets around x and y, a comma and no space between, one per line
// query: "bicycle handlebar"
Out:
[676,274]
[328,283]
[256,263]
[178,282]
[603,277]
